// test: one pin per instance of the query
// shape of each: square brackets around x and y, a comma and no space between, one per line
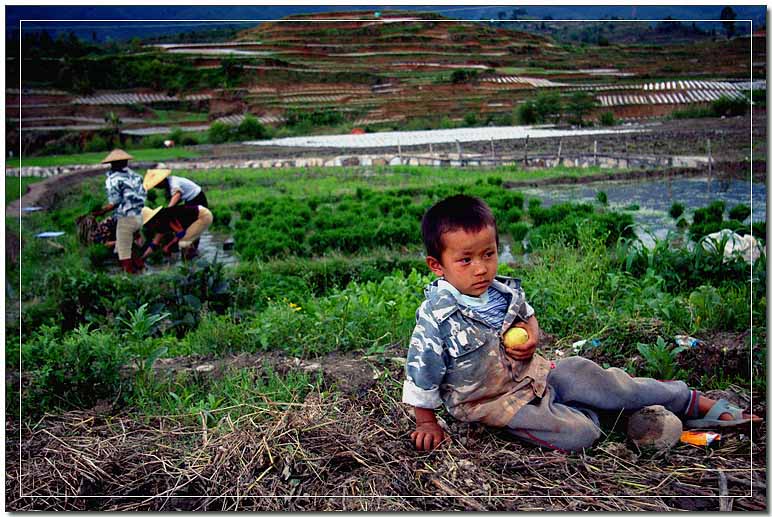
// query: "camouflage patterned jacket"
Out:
[458,360]
[125,191]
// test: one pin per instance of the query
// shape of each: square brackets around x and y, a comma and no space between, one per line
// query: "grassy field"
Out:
[95,158]
[316,289]
[15,187]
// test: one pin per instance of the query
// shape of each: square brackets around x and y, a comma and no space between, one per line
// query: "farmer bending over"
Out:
[457,355]
[179,191]
[185,223]
[126,196]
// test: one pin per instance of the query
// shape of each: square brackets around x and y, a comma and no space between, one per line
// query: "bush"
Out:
[175,135]
[729,107]
[548,106]
[153,141]
[607,119]
[74,371]
[220,132]
[759,98]
[470,119]
[251,128]
[463,76]
[518,231]
[740,212]
[676,210]
[527,114]
[96,144]
[215,335]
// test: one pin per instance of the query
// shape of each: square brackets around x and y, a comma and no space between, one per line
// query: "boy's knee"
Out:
[580,437]
[586,435]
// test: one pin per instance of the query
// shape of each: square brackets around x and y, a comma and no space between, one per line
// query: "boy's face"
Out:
[469,260]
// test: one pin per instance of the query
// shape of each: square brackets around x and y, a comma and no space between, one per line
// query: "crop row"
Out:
[283,226]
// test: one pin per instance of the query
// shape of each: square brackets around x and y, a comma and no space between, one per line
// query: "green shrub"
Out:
[676,210]
[470,119]
[518,231]
[660,360]
[175,135]
[707,220]
[759,98]
[153,141]
[215,335]
[548,106]
[759,229]
[607,119]
[220,132]
[463,76]
[251,129]
[527,114]
[74,371]
[693,112]
[729,107]
[96,144]
[602,197]
[740,212]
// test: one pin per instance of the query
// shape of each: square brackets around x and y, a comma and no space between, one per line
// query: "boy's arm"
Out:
[428,434]
[424,371]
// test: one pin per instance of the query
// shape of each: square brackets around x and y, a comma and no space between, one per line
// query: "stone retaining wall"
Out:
[436,160]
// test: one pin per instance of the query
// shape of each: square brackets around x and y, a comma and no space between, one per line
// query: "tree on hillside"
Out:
[548,106]
[729,16]
[579,105]
[114,122]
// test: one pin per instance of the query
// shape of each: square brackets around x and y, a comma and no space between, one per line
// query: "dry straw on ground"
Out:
[340,452]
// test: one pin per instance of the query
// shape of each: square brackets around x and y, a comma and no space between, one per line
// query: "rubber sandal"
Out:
[711,418]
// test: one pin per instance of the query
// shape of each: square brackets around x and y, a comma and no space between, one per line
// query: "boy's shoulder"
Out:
[440,302]
[508,281]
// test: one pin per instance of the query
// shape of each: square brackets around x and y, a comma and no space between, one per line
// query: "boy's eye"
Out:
[465,260]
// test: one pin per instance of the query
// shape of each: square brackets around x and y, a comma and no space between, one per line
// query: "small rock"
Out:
[204,368]
[654,426]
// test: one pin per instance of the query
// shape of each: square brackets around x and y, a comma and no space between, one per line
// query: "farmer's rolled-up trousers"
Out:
[564,418]
[198,227]
[124,234]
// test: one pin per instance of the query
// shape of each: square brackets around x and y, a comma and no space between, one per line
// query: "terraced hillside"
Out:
[376,72]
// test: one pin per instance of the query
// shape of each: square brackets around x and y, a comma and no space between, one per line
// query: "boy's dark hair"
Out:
[459,212]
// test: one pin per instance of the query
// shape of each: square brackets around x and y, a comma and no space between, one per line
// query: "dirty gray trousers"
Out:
[564,418]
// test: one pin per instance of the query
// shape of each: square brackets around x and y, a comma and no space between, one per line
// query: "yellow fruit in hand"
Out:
[515,337]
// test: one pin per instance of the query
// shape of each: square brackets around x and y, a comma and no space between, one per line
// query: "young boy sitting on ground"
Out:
[457,356]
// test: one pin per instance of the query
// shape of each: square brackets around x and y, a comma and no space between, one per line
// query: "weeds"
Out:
[661,360]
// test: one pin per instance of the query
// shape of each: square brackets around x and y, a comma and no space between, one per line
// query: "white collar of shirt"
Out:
[463,299]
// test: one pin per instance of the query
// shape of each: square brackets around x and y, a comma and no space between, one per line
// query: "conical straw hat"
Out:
[149,213]
[154,176]
[117,155]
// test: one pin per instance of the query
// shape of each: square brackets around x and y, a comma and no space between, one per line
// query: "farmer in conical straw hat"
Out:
[126,197]
[179,191]
[184,223]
